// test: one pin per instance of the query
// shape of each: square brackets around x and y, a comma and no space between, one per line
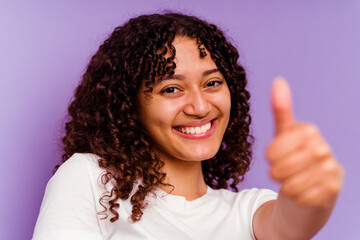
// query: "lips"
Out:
[195,130]
[198,129]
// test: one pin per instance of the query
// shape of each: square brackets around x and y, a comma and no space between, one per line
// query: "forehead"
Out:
[188,56]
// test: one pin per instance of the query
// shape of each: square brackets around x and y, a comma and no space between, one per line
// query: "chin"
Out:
[201,155]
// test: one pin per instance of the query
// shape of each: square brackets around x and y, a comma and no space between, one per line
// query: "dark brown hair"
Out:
[101,115]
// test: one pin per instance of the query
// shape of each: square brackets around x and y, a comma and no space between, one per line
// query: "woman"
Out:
[159,128]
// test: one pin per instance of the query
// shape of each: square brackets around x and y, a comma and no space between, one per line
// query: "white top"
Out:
[71,203]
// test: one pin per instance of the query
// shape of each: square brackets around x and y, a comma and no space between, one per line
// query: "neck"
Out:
[186,177]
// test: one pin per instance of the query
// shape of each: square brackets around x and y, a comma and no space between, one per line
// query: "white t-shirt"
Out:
[71,203]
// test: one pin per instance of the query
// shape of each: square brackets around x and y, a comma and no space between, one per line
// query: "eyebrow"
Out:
[182,77]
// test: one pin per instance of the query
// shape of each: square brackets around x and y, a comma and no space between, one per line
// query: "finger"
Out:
[301,182]
[291,164]
[282,105]
[323,173]
[287,142]
[311,151]
[320,195]
[313,197]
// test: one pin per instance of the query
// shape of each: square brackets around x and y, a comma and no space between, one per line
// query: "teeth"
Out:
[197,130]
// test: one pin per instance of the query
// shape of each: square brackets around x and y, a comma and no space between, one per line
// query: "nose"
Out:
[197,104]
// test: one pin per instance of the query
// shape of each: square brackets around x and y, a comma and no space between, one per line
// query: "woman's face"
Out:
[188,112]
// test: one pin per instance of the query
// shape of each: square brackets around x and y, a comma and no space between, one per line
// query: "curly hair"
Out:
[102,116]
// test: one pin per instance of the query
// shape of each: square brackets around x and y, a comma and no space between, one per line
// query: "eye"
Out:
[170,90]
[214,83]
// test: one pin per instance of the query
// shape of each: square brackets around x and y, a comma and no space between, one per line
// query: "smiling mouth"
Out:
[196,130]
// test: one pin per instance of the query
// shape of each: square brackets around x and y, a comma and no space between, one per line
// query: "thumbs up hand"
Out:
[299,156]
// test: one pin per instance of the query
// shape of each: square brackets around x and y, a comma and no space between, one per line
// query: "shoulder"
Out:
[80,161]
[78,166]
[75,175]
[70,202]
[257,195]
[253,198]
[252,194]
[76,180]
[246,200]
[80,170]
[245,203]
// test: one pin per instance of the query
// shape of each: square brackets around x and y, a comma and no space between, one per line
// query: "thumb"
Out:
[282,105]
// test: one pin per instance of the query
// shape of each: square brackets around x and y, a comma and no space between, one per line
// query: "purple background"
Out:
[45,46]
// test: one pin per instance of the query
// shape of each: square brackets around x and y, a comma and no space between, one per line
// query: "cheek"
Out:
[223,102]
[160,114]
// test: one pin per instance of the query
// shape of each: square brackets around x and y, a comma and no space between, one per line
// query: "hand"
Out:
[300,157]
